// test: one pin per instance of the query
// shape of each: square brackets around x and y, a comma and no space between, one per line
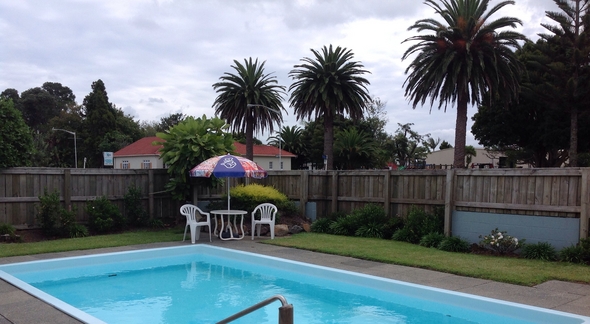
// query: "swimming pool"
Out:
[215,283]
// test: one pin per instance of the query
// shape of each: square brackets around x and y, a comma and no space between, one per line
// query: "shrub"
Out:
[78,230]
[432,240]
[454,244]
[500,242]
[540,251]
[104,216]
[252,195]
[579,253]
[134,211]
[48,214]
[53,218]
[393,224]
[7,229]
[573,254]
[345,226]
[420,223]
[370,230]
[322,225]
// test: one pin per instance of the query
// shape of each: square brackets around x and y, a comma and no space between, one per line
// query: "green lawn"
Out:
[504,269]
[510,270]
[92,242]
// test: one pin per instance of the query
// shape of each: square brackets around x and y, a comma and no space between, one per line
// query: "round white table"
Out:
[228,228]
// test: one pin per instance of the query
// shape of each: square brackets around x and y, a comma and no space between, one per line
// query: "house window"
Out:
[270,165]
[281,165]
[146,164]
[125,165]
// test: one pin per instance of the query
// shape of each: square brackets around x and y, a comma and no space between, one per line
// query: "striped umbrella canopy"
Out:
[228,166]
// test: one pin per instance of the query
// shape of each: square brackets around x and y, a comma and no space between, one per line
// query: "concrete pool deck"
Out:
[18,307]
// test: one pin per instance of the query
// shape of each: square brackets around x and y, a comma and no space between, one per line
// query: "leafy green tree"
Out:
[100,119]
[11,94]
[572,67]
[170,121]
[61,144]
[532,130]
[408,145]
[327,86]
[462,59]
[189,143]
[63,95]
[38,106]
[250,86]
[16,142]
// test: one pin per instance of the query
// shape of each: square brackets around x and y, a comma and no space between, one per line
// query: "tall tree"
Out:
[16,142]
[249,100]
[38,106]
[572,36]
[327,86]
[100,120]
[464,58]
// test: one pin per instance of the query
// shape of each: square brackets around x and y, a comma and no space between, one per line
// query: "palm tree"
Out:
[245,98]
[327,86]
[464,59]
[290,138]
[355,149]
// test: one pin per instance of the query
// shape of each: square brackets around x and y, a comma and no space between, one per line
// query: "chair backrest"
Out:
[190,211]
[267,211]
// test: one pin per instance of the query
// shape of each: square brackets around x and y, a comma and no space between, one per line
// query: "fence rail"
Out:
[539,192]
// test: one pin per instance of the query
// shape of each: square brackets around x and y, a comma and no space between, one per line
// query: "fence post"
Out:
[585,203]
[449,201]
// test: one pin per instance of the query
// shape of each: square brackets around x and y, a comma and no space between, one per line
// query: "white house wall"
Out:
[136,162]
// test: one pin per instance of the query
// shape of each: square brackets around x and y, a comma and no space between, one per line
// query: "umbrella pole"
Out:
[228,193]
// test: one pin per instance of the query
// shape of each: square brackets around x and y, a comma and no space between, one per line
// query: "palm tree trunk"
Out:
[249,135]
[460,131]
[329,140]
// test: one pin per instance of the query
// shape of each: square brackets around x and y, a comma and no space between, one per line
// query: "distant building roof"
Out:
[141,147]
[144,146]
[263,150]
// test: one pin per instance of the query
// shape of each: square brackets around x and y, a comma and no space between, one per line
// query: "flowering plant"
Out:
[500,242]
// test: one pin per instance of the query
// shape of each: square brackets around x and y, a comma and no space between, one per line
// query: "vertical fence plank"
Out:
[449,201]
[585,203]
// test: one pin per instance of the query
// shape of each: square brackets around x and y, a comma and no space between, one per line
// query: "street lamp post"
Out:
[281,139]
[75,144]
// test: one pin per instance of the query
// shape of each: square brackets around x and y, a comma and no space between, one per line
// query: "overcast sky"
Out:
[158,57]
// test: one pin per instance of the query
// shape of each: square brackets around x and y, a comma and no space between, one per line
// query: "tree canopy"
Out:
[16,141]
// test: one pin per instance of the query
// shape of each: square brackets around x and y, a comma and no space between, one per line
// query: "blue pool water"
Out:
[205,284]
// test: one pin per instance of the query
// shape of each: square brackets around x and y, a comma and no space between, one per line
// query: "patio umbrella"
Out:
[228,166]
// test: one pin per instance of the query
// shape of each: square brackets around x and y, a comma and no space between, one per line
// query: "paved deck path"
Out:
[18,307]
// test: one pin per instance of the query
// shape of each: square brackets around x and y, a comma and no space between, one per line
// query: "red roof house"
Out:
[142,154]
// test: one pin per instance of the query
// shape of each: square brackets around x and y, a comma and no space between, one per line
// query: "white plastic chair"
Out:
[268,214]
[190,211]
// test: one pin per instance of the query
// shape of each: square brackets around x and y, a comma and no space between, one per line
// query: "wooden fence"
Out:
[542,192]
[20,189]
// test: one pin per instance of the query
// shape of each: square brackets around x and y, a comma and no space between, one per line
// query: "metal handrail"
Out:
[285,311]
